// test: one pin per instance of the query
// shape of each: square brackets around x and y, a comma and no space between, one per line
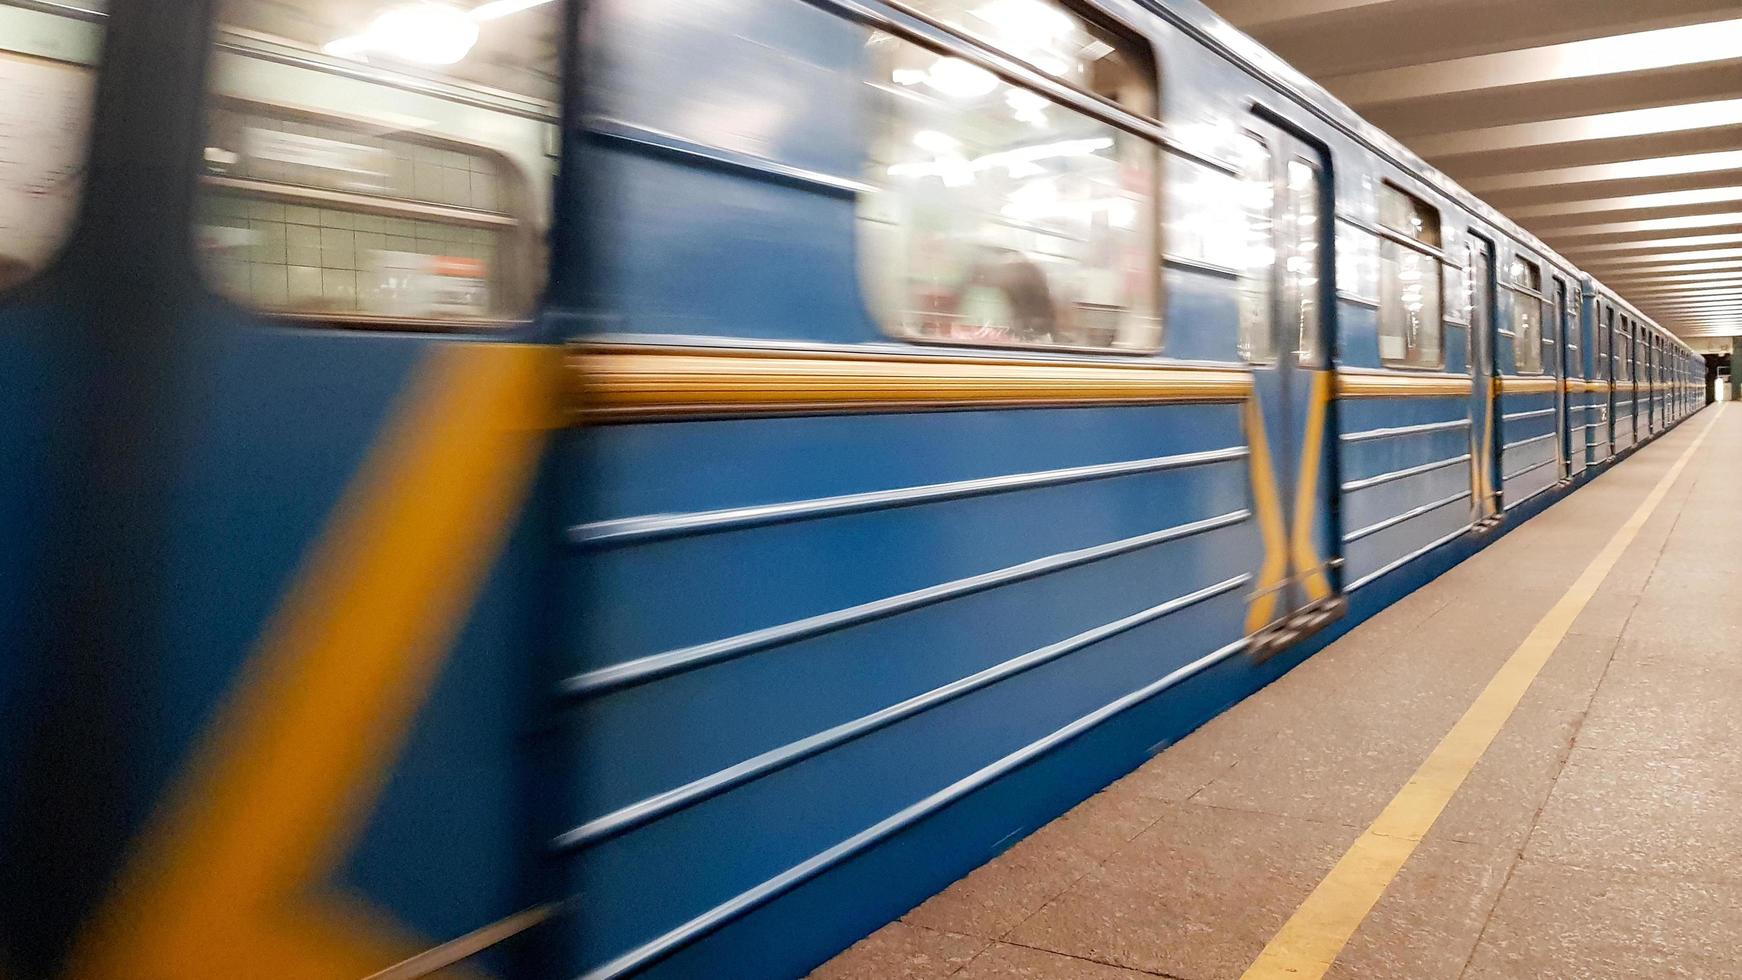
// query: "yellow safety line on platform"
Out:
[1315,935]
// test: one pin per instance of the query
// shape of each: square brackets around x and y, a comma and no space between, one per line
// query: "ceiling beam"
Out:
[1633,202]
[1635,276]
[1670,223]
[1651,244]
[1695,255]
[1512,159]
[1557,99]
[1578,129]
[1687,288]
[1688,163]
[1251,14]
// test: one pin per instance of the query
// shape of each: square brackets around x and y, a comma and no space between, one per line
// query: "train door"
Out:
[1560,331]
[1290,353]
[1604,447]
[1576,353]
[1659,385]
[1651,387]
[1626,392]
[1484,425]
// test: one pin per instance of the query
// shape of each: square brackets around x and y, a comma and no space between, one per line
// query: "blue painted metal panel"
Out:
[688,590]
[1369,505]
[685,726]
[445,870]
[673,734]
[670,468]
[40,412]
[677,869]
[1407,540]
[1357,335]
[706,251]
[1530,454]
[1199,308]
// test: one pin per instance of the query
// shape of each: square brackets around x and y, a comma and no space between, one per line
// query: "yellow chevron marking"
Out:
[1306,557]
[225,881]
[1274,572]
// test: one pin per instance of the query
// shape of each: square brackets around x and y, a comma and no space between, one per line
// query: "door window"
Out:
[48,57]
[398,168]
[1525,286]
[1301,233]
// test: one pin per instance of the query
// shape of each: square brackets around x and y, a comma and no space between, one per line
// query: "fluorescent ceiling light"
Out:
[960,79]
[1640,51]
[425,32]
[502,8]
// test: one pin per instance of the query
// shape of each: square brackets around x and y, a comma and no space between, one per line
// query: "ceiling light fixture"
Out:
[425,32]
[502,8]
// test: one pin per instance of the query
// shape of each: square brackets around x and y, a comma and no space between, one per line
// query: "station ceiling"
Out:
[1611,130]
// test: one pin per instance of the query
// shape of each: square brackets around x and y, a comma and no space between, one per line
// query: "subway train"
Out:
[658,488]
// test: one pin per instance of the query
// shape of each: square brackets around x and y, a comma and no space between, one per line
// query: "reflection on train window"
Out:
[381,161]
[1524,280]
[1606,344]
[1410,328]
[1481,298]
[1251,233]
[48,53]
[1303,265]
[1357,256]
[999,217]
[1054,38]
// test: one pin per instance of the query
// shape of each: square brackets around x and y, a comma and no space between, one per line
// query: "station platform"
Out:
[1529,768]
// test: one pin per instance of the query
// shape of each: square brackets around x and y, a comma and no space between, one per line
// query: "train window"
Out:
[1410,328]
[1304,266]
[1001,217]
[1250,234]
[47,56]
[1524,279]
[1057,40]
[1606,344]
[381,161]
[1479,297]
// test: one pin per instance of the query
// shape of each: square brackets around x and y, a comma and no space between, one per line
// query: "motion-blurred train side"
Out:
[658,489]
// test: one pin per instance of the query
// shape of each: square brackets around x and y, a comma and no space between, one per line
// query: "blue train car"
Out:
[532,488]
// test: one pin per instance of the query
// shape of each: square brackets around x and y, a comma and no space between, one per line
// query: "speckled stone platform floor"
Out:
[1600,835]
